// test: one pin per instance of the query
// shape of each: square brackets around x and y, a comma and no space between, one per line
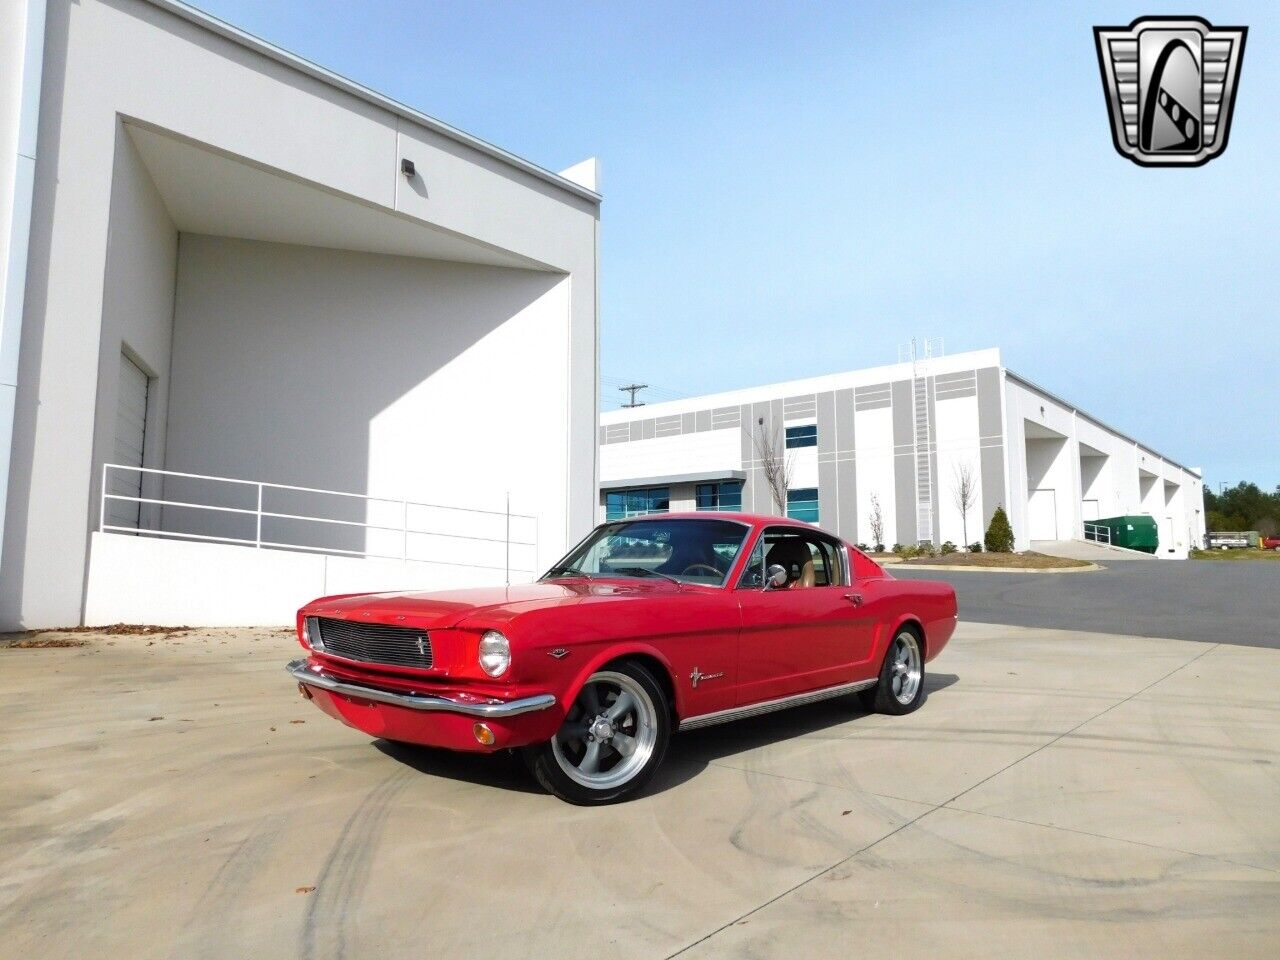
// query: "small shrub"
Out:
[975,547]
[999,538]
[898,548]
[861,546]
[879,548]
[949,547]
[926,548]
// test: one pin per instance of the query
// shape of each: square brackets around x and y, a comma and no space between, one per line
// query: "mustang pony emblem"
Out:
[422,646]
[698,676]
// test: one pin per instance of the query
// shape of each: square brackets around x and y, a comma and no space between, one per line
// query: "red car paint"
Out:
[744,644]
[1271,543]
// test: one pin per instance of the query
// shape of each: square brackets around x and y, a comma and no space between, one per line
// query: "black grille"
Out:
[375,642]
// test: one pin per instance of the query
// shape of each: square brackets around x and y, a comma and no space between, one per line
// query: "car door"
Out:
[877,602]
[798,638]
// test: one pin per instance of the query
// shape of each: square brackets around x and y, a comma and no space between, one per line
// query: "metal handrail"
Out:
[286,486]
[1098,533]
[259,514]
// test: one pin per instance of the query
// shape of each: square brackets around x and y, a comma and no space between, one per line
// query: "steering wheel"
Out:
[691,568]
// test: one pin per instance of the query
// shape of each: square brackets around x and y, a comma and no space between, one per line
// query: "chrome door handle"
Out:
[854,598]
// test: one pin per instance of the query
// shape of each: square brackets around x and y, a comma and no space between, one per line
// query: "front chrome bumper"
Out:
[433,703]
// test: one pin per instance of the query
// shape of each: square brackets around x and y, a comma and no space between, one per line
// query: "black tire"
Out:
[882,698]
[562,765]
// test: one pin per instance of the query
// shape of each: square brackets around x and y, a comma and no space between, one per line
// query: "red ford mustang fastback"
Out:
[650,625]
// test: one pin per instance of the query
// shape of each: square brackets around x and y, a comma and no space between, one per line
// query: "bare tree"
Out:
[776,464]
[877,524]
[964,491]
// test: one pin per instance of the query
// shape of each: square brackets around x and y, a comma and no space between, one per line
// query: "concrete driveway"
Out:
[1058,795]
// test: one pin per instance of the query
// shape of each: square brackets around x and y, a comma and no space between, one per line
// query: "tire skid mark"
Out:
[342,878]
[211,917]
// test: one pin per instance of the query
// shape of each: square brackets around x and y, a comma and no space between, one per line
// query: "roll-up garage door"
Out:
[130,440]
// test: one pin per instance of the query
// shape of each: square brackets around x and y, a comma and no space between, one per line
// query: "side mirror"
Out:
[777,577]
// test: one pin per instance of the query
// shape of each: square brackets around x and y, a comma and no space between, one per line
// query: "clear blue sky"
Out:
[790,194]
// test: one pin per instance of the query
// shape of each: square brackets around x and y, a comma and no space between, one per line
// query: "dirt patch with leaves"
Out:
[41,641]
[66,637]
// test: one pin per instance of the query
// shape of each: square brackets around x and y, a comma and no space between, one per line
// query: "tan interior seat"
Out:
[794,556]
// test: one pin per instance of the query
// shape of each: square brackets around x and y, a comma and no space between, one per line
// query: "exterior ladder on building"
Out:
[924,472]
[915,352]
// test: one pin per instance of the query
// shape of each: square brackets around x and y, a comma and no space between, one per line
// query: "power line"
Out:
[633,389]
[654,391]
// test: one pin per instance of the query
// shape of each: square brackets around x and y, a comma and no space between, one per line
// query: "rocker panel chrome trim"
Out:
[769,706]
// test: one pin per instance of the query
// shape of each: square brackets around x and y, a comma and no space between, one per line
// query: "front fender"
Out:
[599,658]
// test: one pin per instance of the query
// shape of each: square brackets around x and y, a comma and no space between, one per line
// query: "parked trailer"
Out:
[1232,539]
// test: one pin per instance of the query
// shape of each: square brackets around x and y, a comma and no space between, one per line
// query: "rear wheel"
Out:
[612,740]
[900,688]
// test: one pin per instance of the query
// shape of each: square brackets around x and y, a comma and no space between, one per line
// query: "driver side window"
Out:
[826,563]
[753,574]
[809,559]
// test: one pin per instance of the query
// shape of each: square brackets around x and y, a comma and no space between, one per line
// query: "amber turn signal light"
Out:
[483,734]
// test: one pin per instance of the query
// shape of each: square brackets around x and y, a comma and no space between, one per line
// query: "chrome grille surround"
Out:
[372,642]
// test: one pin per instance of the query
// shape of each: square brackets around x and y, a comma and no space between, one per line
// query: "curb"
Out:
[966,569]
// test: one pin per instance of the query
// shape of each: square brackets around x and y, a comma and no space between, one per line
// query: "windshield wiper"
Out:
[566,571]
[647,572]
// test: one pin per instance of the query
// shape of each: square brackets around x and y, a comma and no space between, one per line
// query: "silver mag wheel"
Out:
[900,688]
[612,740]
[609,734]
[907,670]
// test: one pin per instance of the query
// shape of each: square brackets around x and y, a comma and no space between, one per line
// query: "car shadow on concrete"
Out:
[505,770]
[714,743]
[688,754]
[502,770]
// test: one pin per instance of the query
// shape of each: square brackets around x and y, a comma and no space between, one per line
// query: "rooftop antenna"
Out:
[633,389]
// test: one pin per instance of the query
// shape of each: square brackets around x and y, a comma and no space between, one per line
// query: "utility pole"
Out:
[633,389]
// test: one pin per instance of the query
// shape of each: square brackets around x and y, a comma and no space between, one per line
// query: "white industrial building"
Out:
[264,331]
[899,436]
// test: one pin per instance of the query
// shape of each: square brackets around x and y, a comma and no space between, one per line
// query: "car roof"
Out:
[751,519]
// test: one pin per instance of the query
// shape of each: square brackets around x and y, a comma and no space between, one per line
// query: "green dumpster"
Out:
[1136,532]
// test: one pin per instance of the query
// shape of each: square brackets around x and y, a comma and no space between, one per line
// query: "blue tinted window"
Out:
[621,504]
[726,495]
[802,504]
[806,436]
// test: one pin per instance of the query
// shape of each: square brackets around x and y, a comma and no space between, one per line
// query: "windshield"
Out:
[685,551]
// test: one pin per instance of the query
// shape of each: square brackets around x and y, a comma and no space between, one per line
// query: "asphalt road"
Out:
[1235,602]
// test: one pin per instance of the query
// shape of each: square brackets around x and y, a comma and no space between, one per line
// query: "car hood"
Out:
[448,608]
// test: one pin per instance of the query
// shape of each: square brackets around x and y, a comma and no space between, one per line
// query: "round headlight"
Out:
[495,653]
[311,633]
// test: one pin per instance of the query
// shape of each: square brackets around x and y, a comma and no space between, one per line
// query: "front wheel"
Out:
[900,688]
[612,740]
